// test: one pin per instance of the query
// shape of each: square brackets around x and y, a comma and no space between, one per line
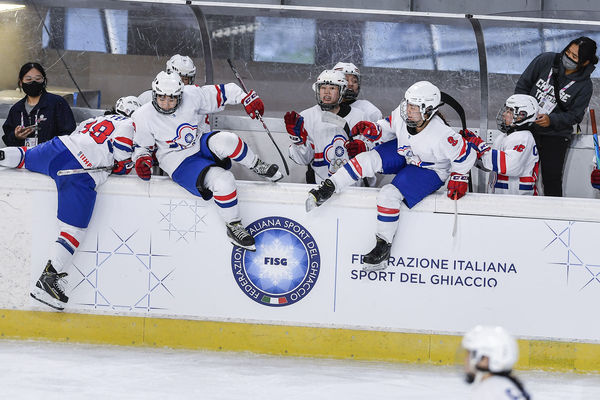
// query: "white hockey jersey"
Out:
[145,97]
[437,147]
[177,135]
[513,162]
[324,148]
[496,388]
[99,142]
[371,112]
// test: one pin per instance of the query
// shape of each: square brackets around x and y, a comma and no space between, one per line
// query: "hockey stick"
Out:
[64,172]
[595,136]
[454,228]
[452,102]
[260,118]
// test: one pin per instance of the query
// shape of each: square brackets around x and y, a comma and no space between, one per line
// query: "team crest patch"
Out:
[285,266]
[185,136]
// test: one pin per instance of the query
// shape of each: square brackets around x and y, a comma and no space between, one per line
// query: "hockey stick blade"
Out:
[64,172]
[595,136]
[239,79]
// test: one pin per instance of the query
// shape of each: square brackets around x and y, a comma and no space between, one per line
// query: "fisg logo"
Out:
[275,261]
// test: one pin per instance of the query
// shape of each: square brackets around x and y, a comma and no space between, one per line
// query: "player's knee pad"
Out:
[365,164]
[13,157]
[389,196]
[223,143]
[220,181]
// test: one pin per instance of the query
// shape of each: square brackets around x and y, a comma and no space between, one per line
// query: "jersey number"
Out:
[452,141]
[99,131]
[519,148]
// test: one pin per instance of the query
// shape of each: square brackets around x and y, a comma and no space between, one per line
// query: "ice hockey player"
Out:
[424,153]
[321,135]
[198,161]
[182,65]
[513,158]
[491,354]
[104,141]
[352,73]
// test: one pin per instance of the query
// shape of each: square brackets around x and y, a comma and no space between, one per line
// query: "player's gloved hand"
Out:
[355,147]
[367,129]
[595,178]
[294,124]
[467,134]
[122,167]
[253,104]
[480,145]
[458,185]
[143,167]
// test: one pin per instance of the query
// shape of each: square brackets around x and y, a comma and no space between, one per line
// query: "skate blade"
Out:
[277,177]
[249,248]
[310,203]
[45,298]
[375,267]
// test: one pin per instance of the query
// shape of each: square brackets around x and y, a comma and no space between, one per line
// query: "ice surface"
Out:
[74,371]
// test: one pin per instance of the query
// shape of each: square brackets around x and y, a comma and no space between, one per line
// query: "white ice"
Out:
[30,370]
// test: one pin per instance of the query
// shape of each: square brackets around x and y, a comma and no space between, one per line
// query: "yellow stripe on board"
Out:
[279,340]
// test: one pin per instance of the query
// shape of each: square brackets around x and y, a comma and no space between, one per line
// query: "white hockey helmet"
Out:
[349,69]
[182,65]
[330,77]
[167,84]
[493,342]
[127,105]
[426,96]
[524,109]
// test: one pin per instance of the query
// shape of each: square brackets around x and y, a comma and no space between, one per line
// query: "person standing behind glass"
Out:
[564,75]
[40,115]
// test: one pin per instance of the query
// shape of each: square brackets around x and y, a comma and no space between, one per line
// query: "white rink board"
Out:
[158,251]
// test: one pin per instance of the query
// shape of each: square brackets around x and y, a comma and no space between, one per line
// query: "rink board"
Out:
[157,265]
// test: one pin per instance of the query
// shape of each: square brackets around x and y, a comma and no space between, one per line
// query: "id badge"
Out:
[31,142]
[546,105]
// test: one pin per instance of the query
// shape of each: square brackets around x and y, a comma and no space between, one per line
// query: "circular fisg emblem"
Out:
[285,266]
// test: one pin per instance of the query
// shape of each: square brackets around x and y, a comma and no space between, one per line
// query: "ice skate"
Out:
[239,236]
[377,259]
[318,196]
[269,171]
[49,288]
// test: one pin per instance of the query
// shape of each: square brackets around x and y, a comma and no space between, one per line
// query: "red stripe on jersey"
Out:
[385,210]
[125,140]
[535,176]
[464,148]
[356,166]
[23,159]
[238,149]
[219,98]
[318,155]
[502,177]
[70,238]
[229,196]
[502,162]
[313,147]
[527,179]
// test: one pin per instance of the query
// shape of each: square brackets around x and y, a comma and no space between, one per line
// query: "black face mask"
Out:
[33,89]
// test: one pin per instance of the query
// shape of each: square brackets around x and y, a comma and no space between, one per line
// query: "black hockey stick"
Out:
[260,118]
[452,102]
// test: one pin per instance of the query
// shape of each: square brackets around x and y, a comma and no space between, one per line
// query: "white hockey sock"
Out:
[363,165]
[388,211]
[222,183]
[65,245]
[229,145]
[14,157]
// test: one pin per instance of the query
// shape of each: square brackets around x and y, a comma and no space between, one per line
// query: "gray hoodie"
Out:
[534,81]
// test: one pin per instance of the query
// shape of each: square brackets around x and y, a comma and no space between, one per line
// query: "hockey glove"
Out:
[143,166]
[294,124]
[466,134]
[595,178]
[253,104]
[122,167]
[478,144]
[457,185]
[367,129]
[355,147]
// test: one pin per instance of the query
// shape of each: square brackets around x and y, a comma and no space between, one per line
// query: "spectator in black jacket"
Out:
[40,115]
[564,75]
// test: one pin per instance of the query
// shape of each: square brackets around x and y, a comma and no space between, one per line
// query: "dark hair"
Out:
[28,67]
[587,50]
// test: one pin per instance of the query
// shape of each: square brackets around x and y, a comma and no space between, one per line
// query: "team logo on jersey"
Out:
[185,136]
[335,153]
[285,266]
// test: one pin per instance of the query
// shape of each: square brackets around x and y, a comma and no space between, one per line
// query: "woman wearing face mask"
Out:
[40,115]
[561,84]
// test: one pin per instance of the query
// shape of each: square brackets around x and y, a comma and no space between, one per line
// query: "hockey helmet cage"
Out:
[493,342]
[330,77]
[167,84]
[524,109]
[426,96]
[182,65]
[127,105]
[349,69]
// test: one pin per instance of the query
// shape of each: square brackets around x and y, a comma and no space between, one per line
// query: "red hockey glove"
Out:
[143,167]
[367,129]
[595,178]
[294,124]
[467,134]
[253,104]
[355,147]
[457,185]
[122,167]
[478,144]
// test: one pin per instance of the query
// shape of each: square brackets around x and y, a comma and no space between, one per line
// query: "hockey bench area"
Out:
[156,269]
